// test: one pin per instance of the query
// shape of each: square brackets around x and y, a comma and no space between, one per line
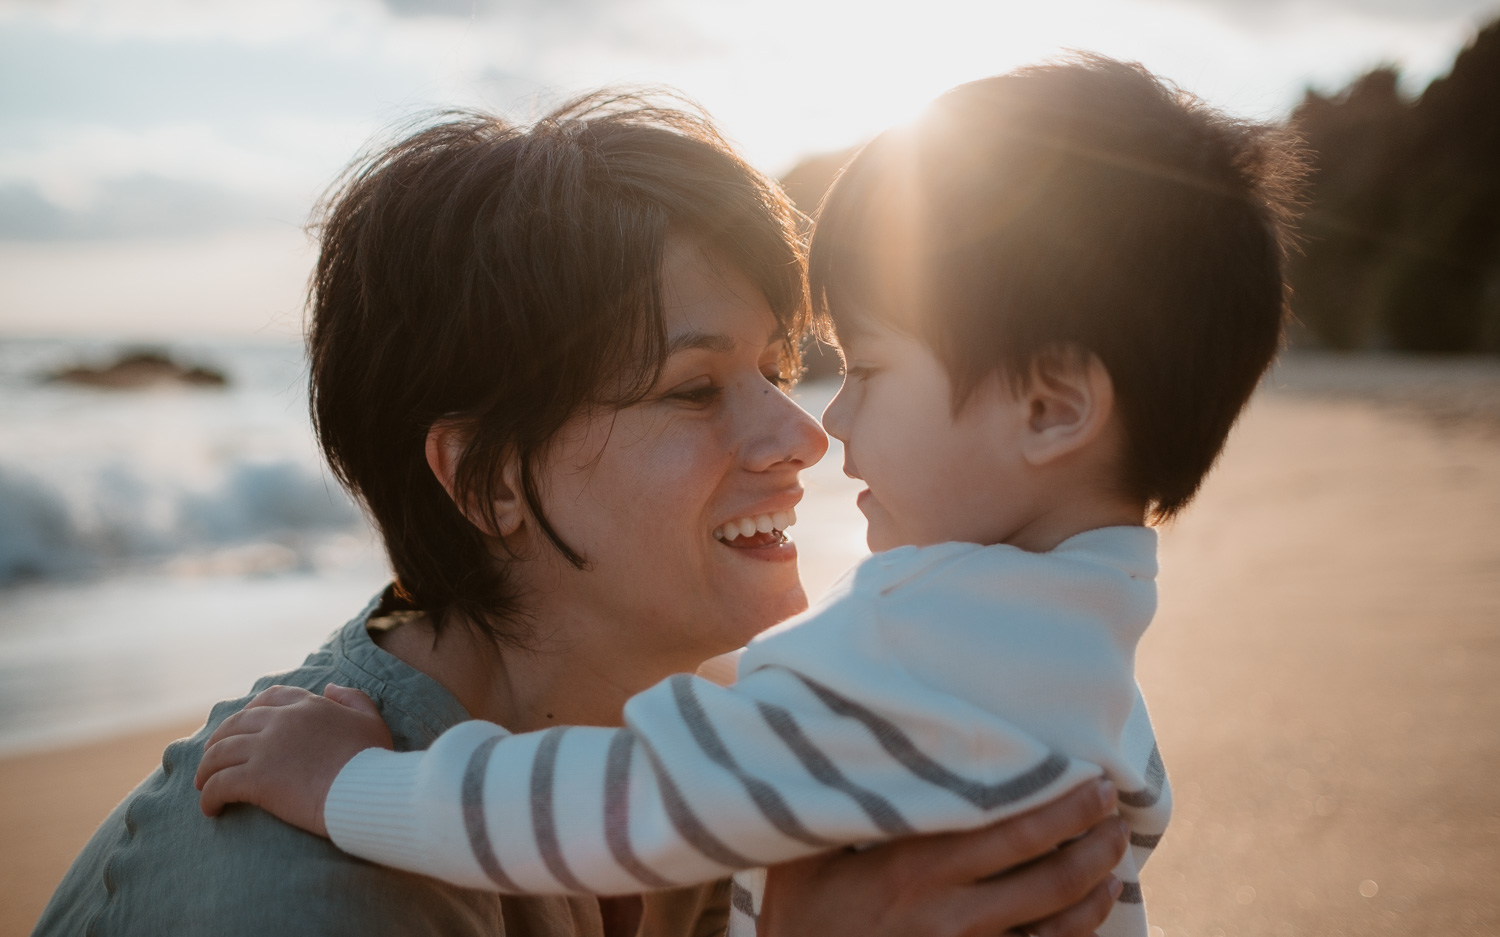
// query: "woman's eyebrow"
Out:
[708,341]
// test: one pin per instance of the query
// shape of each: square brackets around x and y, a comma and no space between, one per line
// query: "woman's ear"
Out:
[1070,399]
[446,442]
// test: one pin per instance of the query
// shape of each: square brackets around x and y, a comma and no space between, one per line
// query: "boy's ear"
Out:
[1069,399]
[446,442]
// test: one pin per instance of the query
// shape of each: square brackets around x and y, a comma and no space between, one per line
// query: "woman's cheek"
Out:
[681,490]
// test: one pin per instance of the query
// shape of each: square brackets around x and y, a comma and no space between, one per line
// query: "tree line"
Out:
[1401,235]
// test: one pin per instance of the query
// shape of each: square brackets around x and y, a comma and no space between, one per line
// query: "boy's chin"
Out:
[880,533]
[879,539]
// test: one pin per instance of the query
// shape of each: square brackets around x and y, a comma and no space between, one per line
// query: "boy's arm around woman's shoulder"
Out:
[827,739]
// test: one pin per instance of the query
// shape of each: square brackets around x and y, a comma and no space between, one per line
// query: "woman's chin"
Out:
[769,607]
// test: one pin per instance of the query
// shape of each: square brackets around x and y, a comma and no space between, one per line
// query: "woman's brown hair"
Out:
[505,277]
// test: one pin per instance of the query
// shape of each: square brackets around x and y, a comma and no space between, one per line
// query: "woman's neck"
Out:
[559,681]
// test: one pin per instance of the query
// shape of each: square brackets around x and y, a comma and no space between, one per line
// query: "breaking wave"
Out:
[256,517]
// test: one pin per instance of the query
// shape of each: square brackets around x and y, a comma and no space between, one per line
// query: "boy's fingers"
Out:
[354,699]
[220,791]
[244,722]
[278,696]
[1083,918]
[977,854]
[1059,880]
[219,756]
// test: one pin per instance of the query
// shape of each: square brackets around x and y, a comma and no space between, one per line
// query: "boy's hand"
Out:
[283,751]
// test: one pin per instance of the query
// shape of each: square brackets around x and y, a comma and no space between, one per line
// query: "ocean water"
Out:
[161,548]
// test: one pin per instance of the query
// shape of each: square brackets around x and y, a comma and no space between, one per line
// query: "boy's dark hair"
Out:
[1080,206]
[505,278]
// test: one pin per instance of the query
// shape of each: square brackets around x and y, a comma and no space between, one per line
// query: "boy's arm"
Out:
[703,780]
[827,740]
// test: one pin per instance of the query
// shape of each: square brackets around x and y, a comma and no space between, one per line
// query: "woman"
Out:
[550,362]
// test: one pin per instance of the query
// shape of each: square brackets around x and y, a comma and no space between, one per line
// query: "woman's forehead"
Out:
[712,305]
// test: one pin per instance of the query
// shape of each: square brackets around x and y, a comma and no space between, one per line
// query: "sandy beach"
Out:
[1322,674]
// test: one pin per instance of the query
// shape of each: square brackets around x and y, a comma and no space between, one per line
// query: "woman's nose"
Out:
[784,433]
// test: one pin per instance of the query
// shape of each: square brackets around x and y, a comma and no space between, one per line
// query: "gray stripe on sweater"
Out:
[617,811]
[687,824]
[1145,840]
[1156,777]
[900,747]
[472,797]
[767,799]
[741,899]
[543,819]
[1130,893]
[881,812]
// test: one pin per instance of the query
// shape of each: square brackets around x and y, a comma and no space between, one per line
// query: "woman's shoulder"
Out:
[165,862]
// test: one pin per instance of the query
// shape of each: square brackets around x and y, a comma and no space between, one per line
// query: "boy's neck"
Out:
[1070,517]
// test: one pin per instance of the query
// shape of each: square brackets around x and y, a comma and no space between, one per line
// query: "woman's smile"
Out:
[762,535]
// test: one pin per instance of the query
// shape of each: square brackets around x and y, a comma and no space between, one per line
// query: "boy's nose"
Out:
[836,415]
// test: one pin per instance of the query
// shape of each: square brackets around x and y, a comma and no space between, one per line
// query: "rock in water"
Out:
[138,369]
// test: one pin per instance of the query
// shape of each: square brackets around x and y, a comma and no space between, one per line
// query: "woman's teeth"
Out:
[760,523]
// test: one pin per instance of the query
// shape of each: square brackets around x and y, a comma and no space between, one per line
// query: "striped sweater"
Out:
[934,688]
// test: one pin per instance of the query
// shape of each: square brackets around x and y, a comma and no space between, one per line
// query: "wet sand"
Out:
[1324,674]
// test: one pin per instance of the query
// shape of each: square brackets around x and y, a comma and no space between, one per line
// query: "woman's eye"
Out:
[697,396]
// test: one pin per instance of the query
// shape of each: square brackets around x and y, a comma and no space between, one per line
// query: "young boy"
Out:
[1053,297]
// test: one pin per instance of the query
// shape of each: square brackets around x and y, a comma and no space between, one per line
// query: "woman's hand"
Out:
[283,751]
[1046,872]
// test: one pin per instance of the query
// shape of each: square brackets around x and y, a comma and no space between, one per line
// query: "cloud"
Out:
[474,8]
[1426,10]
[136,206]
[433,7]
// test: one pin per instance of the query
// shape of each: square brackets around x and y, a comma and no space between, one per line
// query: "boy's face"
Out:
[933,475]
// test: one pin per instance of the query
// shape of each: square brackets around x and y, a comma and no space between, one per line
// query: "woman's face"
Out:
[651,495]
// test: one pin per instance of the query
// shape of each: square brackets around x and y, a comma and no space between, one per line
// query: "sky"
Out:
[158,158]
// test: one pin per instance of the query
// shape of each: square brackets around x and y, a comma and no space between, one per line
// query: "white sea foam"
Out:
[119,518]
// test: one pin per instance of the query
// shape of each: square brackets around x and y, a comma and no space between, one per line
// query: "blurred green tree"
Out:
[1402,231]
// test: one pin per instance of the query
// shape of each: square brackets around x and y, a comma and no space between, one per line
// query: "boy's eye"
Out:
[857,372]
[775,376]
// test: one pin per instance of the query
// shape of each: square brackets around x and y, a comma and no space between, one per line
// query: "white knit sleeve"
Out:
[702,781]
[943,704]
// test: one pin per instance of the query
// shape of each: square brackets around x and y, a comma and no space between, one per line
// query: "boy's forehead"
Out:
[861,331]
